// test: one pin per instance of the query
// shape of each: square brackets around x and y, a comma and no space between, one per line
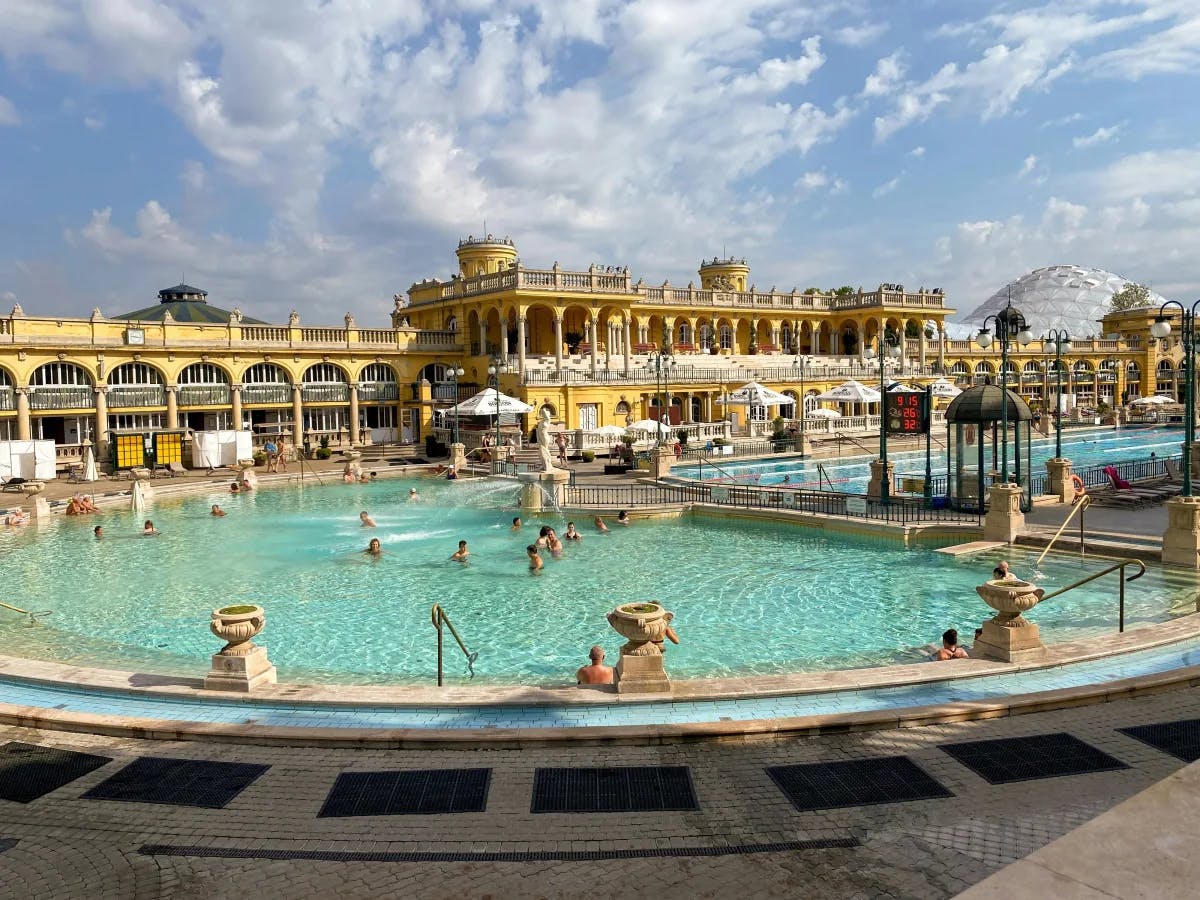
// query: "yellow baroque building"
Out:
[592,346]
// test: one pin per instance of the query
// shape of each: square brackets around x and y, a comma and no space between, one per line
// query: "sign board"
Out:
[856,506]
[718,494]
[905,412]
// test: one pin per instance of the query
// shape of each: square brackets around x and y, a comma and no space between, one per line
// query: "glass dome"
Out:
[1058,297]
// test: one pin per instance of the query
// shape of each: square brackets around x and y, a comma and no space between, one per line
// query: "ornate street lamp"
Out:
[1010,326]
[495,370]
[1161,329]
[1057,342]
[799,364]
[661,363]
[888,348]
[454,374]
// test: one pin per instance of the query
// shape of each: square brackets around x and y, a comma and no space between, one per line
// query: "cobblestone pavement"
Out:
[63,846]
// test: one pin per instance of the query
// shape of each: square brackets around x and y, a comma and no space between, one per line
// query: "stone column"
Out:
[1181,540]
[875,485]
[558,342]
[862,342]
[610,339]
[627,350]
[504,341]
[1060,479]
[24,425]
[521,346]
[297,416]
[593,335]
[941,348]
[172,406]
[355,437]
[235,394]
[661,460]
[483,335]
[101,422]
[1004,519]
[924,345]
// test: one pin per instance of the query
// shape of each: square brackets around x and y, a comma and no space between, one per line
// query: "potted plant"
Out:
[260,458]
[588,456]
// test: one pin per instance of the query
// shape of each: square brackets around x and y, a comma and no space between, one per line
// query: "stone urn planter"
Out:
[1008,635]
[239,665]
[29,488]
[237,625]
[641,624]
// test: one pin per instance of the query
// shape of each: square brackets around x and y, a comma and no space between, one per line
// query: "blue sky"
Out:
[322,156]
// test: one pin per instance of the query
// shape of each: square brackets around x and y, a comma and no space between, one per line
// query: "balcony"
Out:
[7,399]
[378,391]
[325,393]
[266,393]
[131,396]
[204,395]
[62,397]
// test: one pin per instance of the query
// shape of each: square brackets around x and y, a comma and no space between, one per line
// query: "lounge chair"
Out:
[176,468]
[1174,472]
[11,484]
[1115,479]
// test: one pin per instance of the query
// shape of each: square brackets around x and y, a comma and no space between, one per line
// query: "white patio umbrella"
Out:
[651,425]
[89,465]
[851,392]
[754,394]
[944,388]
[822,413]
[610,430]
[490,402]
[1155,400]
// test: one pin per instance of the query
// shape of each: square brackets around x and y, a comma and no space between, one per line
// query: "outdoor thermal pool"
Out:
[749,597]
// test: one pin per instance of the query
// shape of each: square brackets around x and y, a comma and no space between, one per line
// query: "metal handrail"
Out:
[440,618]
[732,478]
[842,436]
[823,477]
[1121,565]
[32,615]
[1079,507]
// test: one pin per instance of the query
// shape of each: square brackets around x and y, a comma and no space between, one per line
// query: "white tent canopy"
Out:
[214,449]
[1155,400]
[823,413]
[490,402]
[944,388]
[754,394]
[851,392]
[650,425]
[31,460]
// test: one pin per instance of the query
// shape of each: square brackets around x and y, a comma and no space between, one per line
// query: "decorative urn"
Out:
[1010,598]
[237,625]
[643,625]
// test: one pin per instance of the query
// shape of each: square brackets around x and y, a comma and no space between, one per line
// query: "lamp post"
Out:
[1160,329]
[495,370]
[1057,342]
[661,363]
[454,374]
[888,348]
[1010,326]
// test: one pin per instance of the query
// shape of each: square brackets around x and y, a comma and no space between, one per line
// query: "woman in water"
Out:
[374,548]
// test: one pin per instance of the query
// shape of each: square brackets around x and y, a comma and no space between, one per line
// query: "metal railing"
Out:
[1079,507]
[62,397]
[204,395]
[1113,568]
[439,619]
[1094,476]
[142,395]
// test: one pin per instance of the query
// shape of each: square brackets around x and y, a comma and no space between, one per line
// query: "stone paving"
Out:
[68,847]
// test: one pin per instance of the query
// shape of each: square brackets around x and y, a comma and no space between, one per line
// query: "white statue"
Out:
[543,441]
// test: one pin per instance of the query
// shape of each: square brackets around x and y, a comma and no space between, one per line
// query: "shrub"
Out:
[324,453]
[588,456]
[260,458]
[323,443]
[721,442]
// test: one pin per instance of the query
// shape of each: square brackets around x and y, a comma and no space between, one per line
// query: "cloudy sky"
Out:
[322,155]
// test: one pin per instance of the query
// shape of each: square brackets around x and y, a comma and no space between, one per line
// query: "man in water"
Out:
[365,518]
[622,518]
[1001,572]
[98,532]
[600,526]
[462,553]
[516,525]
[413,496]
[217,511]
[148,529]
[595,672]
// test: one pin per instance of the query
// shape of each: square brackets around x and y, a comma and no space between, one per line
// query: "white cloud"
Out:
[93,123]
[1062,120]
[886,188]
[917,152]
[909,108]
[811,182]
[1028,165]
[889,71]
[1099,136]
[1158,173]
[8,112]
[859,35]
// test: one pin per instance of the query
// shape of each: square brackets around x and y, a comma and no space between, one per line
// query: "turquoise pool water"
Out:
[749,598]
[851,473]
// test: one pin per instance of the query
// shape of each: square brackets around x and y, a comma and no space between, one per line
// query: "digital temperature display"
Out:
[906,414]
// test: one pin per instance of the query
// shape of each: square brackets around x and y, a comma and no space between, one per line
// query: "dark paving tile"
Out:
[857,782]
[407,793]
[615,789]
[177,782]
[1180,739]
[8,843]
[428,856]
[1026,758]
[28,771]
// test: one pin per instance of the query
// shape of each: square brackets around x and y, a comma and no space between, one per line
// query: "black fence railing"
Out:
[1039,484]
[828,503]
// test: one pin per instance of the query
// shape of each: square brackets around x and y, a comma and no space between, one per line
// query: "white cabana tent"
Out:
[944,388]
[490,402]
[851,392]
[214,449]
[31,460]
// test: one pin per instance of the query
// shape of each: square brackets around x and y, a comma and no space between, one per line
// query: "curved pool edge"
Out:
[517,738]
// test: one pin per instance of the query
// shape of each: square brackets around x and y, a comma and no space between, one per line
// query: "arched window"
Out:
[726,337]
[265,373]
[135,384]
[685,333]
[60,373]
[61,385]
[960,369]
[1010,370]
[8,401]
[1133,373]
[325,383]
[203,373]
[266,383]
[203,384]
[622,408]
[377,383]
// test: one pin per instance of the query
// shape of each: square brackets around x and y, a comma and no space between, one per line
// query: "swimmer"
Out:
[516,525]
[363,479]
[365,518]
[235,488]
[600,526]
[413,496]
[543,539]
[98,532]
[17,517]
[571,534]
[451,473]
[535,561]
[553,544]
[217,511]
[148,529]
[374,548]
[462,553]
[622,518]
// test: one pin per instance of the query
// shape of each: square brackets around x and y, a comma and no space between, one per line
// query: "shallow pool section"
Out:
[988,687]
[851,473]
[749,597]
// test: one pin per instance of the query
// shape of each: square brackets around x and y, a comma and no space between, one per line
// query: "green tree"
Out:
[842,291]
[1132,296]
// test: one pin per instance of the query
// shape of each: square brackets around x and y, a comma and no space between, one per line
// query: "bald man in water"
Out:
[597,672]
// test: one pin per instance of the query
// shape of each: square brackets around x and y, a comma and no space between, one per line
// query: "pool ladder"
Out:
[439,619]
[1084,502]
[33,616]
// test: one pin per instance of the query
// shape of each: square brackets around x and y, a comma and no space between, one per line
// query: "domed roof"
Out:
[981,403]
[1059,297]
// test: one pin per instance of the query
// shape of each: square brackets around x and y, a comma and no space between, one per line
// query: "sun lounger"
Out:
[176,468]
[11,484]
